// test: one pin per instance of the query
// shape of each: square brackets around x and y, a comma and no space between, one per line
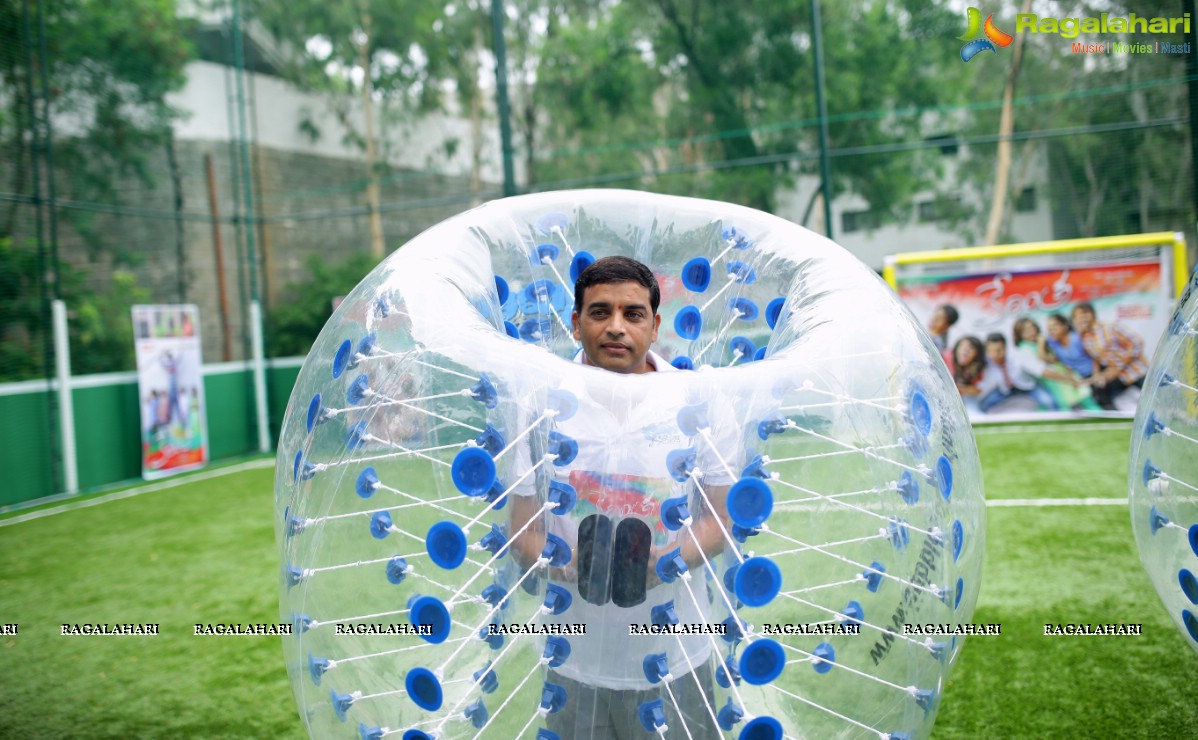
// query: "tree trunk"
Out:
[372,182]
[1006,125]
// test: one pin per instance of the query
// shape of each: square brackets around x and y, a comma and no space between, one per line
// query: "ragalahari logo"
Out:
[982,36]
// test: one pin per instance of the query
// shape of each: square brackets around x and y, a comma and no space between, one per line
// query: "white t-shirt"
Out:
[621,471]
[1023,369]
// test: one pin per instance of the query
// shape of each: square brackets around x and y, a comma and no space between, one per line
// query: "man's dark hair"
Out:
[950,313]
[996,337]
[1087,307]
[617,270]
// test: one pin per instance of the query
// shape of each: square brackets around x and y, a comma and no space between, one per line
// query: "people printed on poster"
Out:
[1080,363]
[170,383]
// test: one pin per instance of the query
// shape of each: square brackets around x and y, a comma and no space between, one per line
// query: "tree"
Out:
[379,58]
[718,100]
[294,324]
[110,67]
[102,73]
[101,335]
[1106,128]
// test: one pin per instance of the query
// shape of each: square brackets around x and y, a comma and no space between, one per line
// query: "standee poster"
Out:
[174,429]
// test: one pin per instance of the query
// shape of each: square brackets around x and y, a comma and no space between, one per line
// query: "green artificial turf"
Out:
[1062,564]
[204,551]
[199,552]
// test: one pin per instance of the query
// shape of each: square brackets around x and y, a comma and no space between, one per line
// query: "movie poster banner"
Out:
[174,430]
[1052,330]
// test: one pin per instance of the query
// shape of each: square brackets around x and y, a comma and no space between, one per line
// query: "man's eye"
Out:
[635,315]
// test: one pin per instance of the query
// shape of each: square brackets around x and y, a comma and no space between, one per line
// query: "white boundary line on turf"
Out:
[1057,502]
[129,493]
[1024,428]
[269,462]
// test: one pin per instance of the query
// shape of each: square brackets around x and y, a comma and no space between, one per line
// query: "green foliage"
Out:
[98,321]
[101,326]
[293,324]
[23,326]
[1099,127]
[405,55]
[111,67]
[718,100]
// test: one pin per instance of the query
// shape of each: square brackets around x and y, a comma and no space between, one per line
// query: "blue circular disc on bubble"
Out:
[908,488]
[510,329]
[424,688]
[542,251]
[826,656]
[688,322]
[367,482]
[762,661]
[582,260]
[446,544]
[415,734]
[958,538]
[473,471]
[552,222]
[536,330]
[341,358]
[762,728]
[750,502]
[541,295]
[741,272]
[944,477]
[757,581]
[1191,623]
[564,403]
[1189,585]
[773,310]
[501,290]
[682,362]
[742,348]
[745,307]
[696,274]
[313,411]
[921,411]
[432,618]
[509,308]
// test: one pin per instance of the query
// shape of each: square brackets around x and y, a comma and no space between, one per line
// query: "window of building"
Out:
[851,221]
[1026,202]
[938,209]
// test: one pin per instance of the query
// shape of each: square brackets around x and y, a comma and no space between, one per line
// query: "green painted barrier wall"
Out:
[107,430]
[25,447]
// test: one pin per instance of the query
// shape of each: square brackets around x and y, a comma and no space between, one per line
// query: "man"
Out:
[1013,373]
[942,320]
[1118,356]
[616,530]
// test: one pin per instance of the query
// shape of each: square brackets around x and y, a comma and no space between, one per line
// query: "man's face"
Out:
[616,326]
[1082,320]
[996,352]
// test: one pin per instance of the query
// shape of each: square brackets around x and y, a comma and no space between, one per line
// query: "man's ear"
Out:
[656,326]
[574,323]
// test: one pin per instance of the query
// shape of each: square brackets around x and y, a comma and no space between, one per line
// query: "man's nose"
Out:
[615,326]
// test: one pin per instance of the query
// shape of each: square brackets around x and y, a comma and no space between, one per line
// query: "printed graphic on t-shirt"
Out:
[620,496]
